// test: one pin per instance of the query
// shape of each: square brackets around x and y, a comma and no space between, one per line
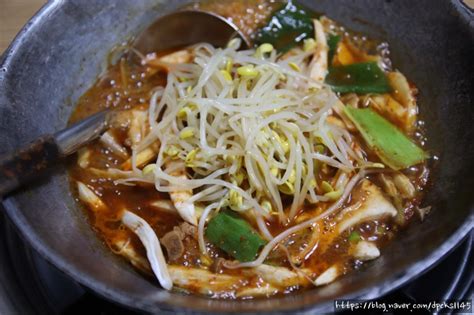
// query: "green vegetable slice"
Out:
[287,28]
[354,237]
[394,148]
[228,231]
[333,41]
[360,78]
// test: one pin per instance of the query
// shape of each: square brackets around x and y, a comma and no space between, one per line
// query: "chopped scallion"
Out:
[354,237]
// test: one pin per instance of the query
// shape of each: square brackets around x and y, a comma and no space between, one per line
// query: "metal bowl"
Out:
[62,50]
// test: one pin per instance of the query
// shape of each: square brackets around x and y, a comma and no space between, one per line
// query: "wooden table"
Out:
[15,13]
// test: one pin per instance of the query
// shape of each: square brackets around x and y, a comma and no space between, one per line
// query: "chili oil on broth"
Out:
[128,86]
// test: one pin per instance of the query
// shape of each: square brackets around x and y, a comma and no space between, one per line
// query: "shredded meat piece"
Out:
[188,229]
[173,240]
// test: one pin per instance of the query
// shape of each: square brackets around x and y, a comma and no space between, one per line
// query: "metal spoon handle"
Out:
[27,163]
[31,161]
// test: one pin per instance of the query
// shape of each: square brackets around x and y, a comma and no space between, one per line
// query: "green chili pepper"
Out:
[333,41]
[288,27]
[394,148]
[360,78]
[231,233]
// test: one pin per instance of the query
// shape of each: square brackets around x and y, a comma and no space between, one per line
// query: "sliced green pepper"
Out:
[228,231]
[287,28]
[333,41]
[360,78]
[394,148]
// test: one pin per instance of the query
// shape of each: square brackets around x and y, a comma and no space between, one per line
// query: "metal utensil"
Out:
[184,28]
[34,159]
[174,30]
